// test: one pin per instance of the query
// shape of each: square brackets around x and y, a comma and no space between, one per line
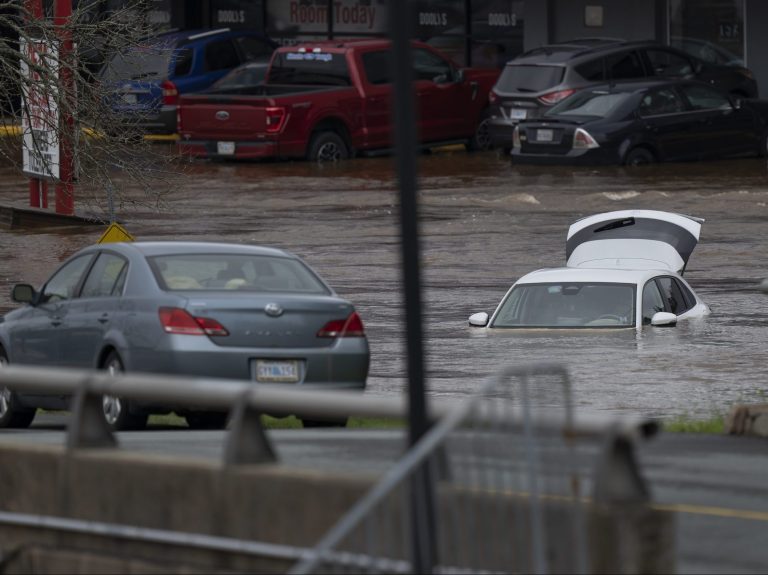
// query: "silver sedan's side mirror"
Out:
[23,293]
[664,319]
[478,319]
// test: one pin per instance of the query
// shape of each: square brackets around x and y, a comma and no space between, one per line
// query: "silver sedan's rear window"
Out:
[215,272]
[568,305]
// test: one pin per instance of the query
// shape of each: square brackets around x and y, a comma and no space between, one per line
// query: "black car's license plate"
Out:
[544,135]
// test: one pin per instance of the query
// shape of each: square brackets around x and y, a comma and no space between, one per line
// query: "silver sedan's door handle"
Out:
[55,321]
[104,318]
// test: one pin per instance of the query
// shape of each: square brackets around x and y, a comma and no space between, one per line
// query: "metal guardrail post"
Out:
[87,427]
[247,441]
[617,477]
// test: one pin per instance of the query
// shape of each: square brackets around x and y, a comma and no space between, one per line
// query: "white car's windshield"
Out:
[568,305]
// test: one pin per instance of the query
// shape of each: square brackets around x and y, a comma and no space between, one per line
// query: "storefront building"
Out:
[490,32]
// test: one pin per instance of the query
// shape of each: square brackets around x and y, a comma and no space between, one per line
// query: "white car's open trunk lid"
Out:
[637,239]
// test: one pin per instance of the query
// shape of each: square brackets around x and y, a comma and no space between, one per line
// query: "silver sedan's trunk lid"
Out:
[637,239]
[270,320]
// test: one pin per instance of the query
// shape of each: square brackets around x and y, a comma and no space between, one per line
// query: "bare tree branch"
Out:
[109,150]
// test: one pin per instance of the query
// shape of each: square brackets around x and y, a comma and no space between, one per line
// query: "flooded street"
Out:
[485,222]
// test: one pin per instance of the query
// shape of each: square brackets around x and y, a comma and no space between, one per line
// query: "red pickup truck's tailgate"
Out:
[205,119]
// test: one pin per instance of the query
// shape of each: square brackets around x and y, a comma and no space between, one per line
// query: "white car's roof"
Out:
[603,275]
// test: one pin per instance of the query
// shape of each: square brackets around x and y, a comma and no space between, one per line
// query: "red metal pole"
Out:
[37,193]
[65,190]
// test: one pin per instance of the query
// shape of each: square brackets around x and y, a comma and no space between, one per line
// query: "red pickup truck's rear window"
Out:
[309,68]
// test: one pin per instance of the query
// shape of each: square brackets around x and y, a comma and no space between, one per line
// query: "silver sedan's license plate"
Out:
[277,371]
[544,135]
[129,98]
[225,148]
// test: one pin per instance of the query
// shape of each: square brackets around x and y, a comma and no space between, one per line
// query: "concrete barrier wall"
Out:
[268,503]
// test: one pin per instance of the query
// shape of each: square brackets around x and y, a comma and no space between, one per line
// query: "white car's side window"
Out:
[652,301]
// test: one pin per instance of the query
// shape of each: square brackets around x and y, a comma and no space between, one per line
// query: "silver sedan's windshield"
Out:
[568,305]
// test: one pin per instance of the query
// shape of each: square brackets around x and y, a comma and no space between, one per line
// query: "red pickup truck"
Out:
[332,100]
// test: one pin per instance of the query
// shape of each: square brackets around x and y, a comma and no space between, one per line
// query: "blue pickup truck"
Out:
[145,81]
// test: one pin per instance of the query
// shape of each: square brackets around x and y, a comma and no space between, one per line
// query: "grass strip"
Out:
[685,424]
[291,422]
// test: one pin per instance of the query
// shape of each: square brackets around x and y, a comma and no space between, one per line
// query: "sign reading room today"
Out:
[358,16]
[40,114]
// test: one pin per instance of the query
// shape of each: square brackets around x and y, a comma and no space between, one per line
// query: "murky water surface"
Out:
[485,222]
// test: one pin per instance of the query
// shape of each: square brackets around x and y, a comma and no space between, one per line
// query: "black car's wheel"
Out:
[327,147]
[11,415]
[762,151]
[481,140]
[206,419]
[324,422]
[117,410]
[639,157]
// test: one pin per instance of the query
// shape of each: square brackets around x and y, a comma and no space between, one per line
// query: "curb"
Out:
[12,217]
[7,130]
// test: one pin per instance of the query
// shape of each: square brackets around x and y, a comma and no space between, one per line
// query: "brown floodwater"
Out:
[484,222]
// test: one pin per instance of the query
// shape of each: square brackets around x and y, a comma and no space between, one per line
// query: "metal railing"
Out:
[246,402]
[509,493]
[499,477]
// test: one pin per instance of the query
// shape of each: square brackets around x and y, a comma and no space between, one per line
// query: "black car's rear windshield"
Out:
[216,271]
[309,68]
[526,78]
[150,61]
[595,104]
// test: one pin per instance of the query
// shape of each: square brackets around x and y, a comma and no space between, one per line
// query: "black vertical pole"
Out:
[401,20]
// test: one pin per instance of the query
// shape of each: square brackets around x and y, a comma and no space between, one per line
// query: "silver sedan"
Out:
[185,308]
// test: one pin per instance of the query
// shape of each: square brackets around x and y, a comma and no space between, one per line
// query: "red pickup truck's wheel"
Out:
[327,147]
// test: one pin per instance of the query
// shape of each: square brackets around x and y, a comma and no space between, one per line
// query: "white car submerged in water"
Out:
[623,270]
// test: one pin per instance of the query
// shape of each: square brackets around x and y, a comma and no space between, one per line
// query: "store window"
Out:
[496,28]
[237,14]
[712,30]
[157,13]
[442,24]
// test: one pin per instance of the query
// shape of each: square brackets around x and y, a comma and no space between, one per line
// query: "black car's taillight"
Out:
[554,97]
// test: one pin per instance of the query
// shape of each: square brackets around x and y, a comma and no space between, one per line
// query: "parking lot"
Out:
[485,222]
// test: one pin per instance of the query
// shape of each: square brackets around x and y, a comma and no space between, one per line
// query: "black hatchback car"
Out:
[634,123]
[537,80]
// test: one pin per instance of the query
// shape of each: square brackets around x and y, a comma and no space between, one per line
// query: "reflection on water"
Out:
[485,222]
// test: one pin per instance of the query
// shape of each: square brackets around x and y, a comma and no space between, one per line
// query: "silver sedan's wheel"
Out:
[10,414]
[5,402]
[116,410]
[113,408]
